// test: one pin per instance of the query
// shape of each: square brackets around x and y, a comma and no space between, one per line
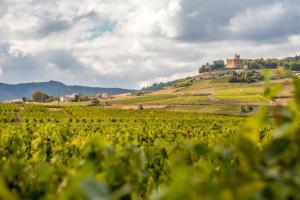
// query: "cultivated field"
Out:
[81,152]
[210,96]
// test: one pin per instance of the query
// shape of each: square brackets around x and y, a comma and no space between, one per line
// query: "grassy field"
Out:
[82,103]
[205,96]
[74,152]
[196,151]
[222,109]
[210,96]
[143,99]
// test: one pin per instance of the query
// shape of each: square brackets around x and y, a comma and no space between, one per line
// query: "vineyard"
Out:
[103,153]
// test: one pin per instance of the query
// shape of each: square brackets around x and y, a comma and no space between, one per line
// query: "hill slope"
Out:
[216,96]
[9,91]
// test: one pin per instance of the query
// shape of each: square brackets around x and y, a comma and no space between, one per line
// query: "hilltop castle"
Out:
[235,63]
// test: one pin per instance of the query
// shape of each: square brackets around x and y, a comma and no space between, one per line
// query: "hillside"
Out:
[208,96]
[9,91]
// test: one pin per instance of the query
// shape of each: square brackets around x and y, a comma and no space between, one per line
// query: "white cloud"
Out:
[135,42]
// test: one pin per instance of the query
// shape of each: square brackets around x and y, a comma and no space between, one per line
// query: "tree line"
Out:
[290,63]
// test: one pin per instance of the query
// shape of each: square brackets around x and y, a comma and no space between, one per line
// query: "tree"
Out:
[24,99]
[218,64]
[84,98]
[204,68]
[271,63]
[39,96]
[76,97]
[95,102]
[295,66]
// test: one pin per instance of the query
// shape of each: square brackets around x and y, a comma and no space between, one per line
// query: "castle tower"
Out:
[235,63]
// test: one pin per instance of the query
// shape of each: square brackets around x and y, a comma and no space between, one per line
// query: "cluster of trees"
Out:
[187,82]
[290,63]
[216,65]
[246,77]
[40,97]
[158,86]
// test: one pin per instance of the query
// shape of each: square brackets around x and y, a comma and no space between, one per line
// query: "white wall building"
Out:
[68,98]
[102,96]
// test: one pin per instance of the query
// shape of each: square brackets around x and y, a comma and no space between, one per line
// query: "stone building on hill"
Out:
[235,63]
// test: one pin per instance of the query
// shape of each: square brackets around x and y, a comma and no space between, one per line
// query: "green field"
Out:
[55,104]
[77,151]
[208,96]
[215,96]
[144,99]
[197,151]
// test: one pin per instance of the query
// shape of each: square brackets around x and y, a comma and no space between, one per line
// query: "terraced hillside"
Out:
[209,96]
[215,96]
[76,152]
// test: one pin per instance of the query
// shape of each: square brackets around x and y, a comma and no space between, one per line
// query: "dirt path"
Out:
[212,97]
[135,107]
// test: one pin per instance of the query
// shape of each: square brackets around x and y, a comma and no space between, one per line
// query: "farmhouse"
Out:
[235,63]
[102,96]
[15,101]
[68,98]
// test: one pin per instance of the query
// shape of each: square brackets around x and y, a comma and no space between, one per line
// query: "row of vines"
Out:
[103,153]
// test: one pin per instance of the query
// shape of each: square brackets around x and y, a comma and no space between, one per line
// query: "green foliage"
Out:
[39,96]
[97,153]
[272,63]
[157,86]
[216,65]
[95,102]
[184,83]
[175,84]
[246,77]
[291,63]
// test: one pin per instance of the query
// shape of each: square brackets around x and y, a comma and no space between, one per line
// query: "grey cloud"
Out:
[20,63]
[92,15]
[4,46]
[286,24]
[47,65]
[60,25]
[3,7]
[63,60]
[209,20]
[52,26]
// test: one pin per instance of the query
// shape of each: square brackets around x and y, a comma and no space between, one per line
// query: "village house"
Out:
[102,96]
[68,98]
[15,101]
[235,63]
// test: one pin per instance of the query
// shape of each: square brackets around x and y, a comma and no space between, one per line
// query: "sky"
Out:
[133,43]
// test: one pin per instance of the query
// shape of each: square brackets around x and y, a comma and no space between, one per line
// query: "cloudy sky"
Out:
[132,43]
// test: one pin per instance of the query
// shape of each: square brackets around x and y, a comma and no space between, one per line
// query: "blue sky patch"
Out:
[98,31]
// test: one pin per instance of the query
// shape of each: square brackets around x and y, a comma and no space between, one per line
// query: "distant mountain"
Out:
[54,88]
